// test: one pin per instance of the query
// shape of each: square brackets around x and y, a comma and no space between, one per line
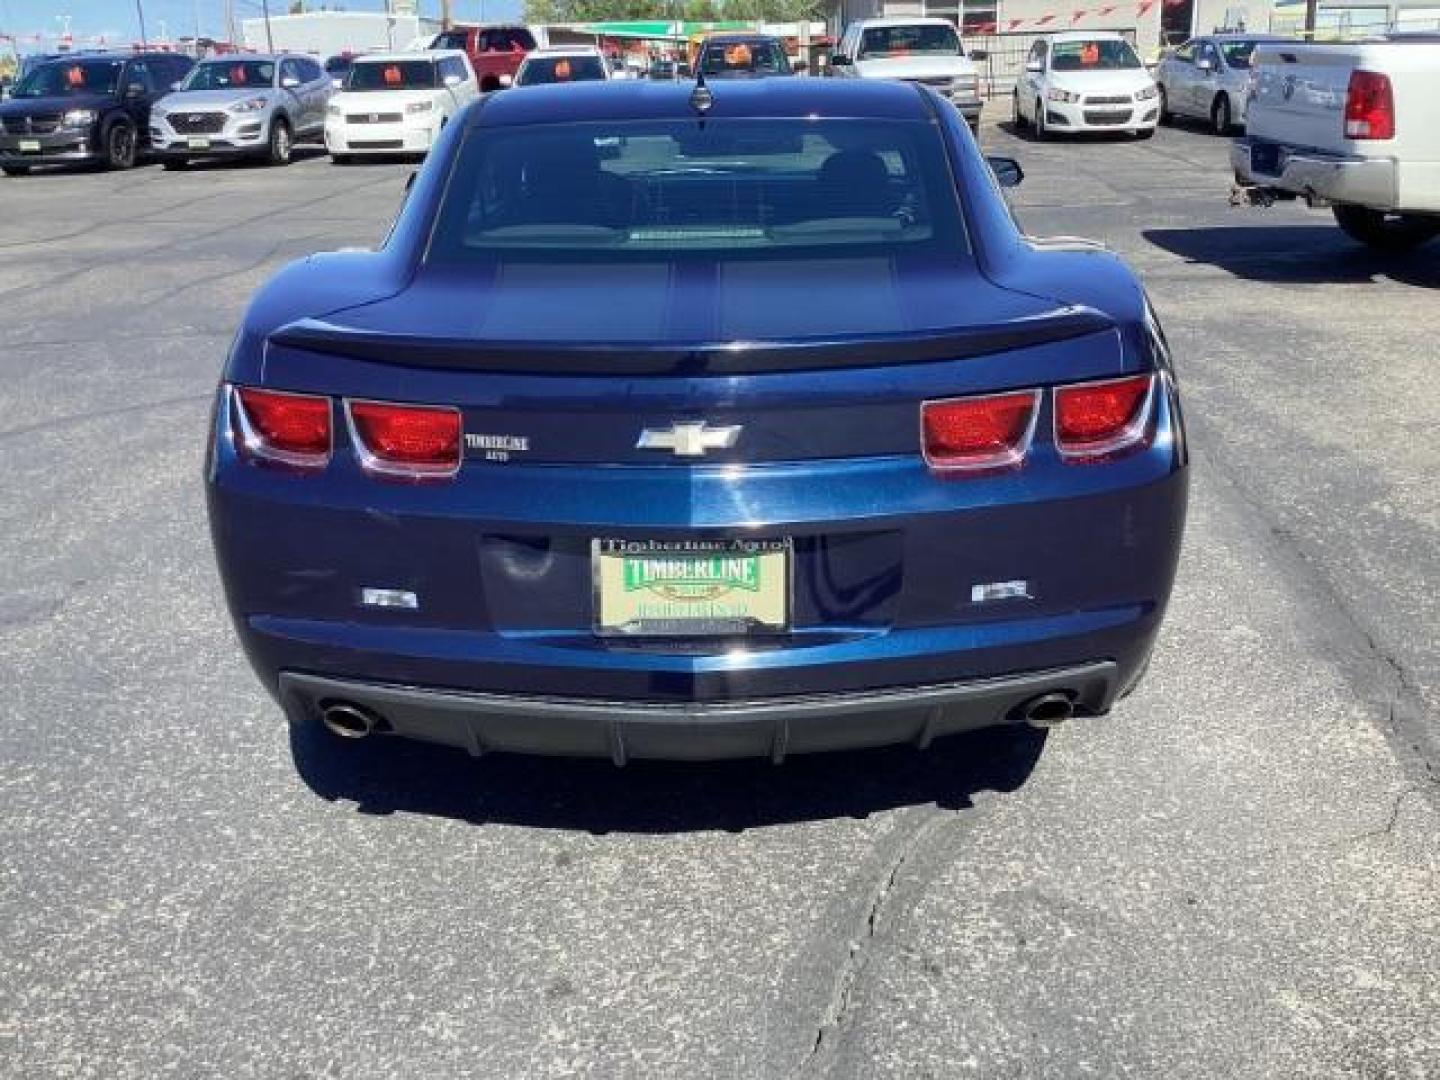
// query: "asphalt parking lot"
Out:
[1237,874]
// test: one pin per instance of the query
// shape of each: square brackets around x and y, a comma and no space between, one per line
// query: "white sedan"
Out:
[1086,81]
[398,104]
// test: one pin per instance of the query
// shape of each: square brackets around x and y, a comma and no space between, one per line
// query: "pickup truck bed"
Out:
[1354,126]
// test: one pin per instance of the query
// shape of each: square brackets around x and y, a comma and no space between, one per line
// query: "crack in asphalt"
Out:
[838,1012]
[1393,818]
[1405,710]
[104,414]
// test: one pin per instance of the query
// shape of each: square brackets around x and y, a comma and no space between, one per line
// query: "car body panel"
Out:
[886,552]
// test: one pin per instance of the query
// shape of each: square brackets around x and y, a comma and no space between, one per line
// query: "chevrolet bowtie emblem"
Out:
[689,439]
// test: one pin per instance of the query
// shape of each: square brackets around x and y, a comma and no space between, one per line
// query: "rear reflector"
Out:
[1099,419]
[980,432]
[1369,106]
[293,429]
[411,441]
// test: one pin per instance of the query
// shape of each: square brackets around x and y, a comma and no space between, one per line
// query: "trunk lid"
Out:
[1300,95]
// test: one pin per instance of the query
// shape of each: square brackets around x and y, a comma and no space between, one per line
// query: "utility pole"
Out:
[445,20]
[140,11]
[230,22]
[269,35]
[1311,10]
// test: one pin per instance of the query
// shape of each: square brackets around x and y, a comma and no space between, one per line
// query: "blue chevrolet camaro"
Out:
[678,424]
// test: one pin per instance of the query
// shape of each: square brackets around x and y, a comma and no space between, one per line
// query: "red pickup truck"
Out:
[495,51]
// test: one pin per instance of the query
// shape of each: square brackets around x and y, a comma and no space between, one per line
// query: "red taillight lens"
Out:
[406,440]
[289,428]
[1096,420]
[979,433]
[1369,106]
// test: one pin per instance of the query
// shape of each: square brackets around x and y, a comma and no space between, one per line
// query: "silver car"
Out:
[256,106]
[1208,78]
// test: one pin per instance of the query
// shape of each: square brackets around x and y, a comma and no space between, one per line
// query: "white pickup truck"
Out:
[1353,126]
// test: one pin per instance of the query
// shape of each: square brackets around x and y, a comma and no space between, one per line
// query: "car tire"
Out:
[1386,232]
[16,170]
[341,159]
[1166,116]
[1018,120]
[1222,116]
[120,146]
[282,143]
[1041,131]
[1144,133]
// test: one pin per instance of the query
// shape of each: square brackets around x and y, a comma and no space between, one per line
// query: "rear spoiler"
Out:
[714,358]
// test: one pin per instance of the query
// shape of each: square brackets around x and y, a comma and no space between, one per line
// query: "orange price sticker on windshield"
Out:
[392,76]
[562,69]
[75,76]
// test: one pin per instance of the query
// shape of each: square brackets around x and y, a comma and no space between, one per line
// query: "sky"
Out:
[116,20]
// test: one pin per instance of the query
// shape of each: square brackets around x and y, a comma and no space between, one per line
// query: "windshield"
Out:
[1237,53]
[1108,54]
[65,78]
[393,75]
[670,190]
[744,58]
[231,75]
[923,40]
[544,70]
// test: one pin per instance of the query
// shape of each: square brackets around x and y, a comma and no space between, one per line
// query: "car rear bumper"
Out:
[625,730]
[1316,174]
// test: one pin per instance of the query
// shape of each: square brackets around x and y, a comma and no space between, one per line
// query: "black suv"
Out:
[85,108]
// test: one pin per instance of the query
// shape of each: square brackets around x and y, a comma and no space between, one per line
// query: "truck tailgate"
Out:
[1300,95]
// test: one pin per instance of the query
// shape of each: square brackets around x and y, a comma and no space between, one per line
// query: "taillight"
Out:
[1099,419]
[293,429]
[1369,106]
[410,441]
[976,433]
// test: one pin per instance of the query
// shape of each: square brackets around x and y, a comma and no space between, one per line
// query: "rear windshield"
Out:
[741,188]
[63,78]
[544,70]
[922,40]
[393,75]
[231,75]
[1108,54]
[744,58]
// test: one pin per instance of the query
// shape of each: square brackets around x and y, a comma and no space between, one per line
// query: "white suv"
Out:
[915,50]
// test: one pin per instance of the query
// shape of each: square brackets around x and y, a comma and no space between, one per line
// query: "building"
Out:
[326,33]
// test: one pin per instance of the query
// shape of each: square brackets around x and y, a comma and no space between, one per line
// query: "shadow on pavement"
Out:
[1297,253]
[386,776]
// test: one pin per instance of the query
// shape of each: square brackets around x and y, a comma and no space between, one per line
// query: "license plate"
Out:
[199,144]
[697,588]
[29,146]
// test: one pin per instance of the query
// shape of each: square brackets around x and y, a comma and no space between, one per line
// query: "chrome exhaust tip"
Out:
[1048,710]
[349,721]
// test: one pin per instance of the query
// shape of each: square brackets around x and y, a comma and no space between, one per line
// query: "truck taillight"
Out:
[291,429]
[413,442]
[1097,420]
[1369,106]
[979,433]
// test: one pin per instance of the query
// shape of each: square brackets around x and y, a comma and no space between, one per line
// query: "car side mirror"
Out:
[1034,67]
[1007,171]
[135,90]
[337,84]
[506,80]
[177,84]
[979,54]
[453,80]
[840,60]
[1205,66]
[291,83]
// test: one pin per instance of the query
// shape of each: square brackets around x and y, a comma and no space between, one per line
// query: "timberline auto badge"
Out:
[497,447]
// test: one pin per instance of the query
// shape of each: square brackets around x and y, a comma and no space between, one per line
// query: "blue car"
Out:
[700,422]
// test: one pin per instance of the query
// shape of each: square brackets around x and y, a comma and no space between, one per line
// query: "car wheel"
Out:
[1221,118]
[1386,232]
[1166,116]
[340,159]
[17,170]
[1041,131]
[120,146]
[1018,119]
[282,144]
